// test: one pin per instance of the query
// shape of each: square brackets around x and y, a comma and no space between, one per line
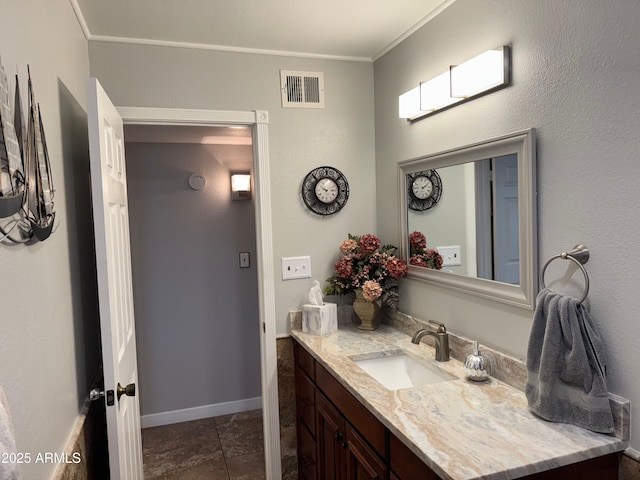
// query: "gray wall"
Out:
[575,79]
[49,349]
[197,325]
[340,135]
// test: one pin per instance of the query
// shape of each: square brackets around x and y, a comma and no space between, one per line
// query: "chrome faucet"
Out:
[442,340]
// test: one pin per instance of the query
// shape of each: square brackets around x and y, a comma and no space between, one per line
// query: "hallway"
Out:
[228,447]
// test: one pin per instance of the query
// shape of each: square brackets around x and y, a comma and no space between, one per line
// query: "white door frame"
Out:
[264,244]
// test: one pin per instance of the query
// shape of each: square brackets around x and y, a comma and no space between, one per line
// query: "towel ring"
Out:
[579,255]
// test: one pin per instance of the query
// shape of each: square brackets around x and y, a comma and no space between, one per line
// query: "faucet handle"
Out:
[441,327]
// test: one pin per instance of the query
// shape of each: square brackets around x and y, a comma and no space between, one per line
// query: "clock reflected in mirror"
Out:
[424,190]
[325,190]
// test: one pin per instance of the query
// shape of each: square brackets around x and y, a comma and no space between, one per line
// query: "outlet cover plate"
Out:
[450,255]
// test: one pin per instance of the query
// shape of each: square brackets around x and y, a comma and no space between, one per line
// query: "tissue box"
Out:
[320,319]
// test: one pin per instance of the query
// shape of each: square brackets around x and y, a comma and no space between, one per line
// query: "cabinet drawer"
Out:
[306,400]
[405,464]
[358,415]
[305,361]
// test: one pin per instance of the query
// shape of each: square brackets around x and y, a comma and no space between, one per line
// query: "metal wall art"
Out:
[26,186]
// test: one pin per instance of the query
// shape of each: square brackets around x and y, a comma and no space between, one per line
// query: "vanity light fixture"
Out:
[240,186]
[485,73]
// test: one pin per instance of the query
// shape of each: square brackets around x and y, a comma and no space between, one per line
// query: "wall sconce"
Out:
[485,73]
[240,186]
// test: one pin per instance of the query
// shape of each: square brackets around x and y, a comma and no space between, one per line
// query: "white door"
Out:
[506,255]
[113,257]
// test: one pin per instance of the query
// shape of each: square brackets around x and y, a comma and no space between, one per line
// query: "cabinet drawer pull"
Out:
[306,403]
[307,461]
[338,436]
[346,444]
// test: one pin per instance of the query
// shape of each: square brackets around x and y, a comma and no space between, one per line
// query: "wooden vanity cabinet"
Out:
[342,453]
[340,439]
[305,414]
[329,446]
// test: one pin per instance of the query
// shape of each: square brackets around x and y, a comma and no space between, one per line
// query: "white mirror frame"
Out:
[522,143]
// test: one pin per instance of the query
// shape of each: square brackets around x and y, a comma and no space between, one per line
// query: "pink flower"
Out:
[397,268]
[418,261]
[369,243]
[371,290]
[344,267]
[418,240]
[379,258]
[435,257]
[348,246]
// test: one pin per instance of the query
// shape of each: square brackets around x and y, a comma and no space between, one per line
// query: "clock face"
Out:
[325,190]
[424,190]
[422,187]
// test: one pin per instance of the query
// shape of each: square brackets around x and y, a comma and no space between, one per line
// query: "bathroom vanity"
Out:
[351,427]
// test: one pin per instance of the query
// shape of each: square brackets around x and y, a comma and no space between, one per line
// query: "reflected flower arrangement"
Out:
[420,255]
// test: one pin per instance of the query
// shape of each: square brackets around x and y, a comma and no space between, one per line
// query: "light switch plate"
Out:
[296,267]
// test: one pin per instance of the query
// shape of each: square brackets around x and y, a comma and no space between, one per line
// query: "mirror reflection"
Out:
[475,204]
[473,224]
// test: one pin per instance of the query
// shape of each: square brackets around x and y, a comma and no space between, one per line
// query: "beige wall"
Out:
[49,349]
[575,79]
[340,135]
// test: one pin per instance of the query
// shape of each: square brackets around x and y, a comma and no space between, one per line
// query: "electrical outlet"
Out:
[296,267]
[450,255]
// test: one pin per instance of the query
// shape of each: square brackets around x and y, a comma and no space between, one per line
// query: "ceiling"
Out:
[359,30]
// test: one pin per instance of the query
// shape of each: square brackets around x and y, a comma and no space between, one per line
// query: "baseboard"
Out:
[633,454]
[197,413]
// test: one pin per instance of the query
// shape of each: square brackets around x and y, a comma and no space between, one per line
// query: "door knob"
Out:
[129,390]
[96,394]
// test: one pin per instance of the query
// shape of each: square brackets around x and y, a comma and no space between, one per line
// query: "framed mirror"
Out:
[484,223]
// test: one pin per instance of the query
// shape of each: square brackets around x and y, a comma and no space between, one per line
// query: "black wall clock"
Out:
[423,190]
[325,190]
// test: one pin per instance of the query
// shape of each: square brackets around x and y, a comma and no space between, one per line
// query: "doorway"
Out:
[196,304]
[258,122]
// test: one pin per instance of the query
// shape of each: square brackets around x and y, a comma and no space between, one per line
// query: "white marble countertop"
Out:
[460,429]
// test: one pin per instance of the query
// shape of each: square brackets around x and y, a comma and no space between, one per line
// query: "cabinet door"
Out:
[362,463]
[307,465]
[305,401]
[330,439]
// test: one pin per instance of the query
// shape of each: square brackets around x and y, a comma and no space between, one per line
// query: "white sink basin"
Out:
[402,371]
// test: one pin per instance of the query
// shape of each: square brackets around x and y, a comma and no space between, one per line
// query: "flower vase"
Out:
[367,312]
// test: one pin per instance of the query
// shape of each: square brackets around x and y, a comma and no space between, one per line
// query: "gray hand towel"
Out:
[565,365]
[8,470]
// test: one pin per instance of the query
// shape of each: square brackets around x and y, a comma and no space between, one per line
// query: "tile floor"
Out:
[228,447]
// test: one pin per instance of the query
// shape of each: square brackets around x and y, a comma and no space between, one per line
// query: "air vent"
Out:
[302,89]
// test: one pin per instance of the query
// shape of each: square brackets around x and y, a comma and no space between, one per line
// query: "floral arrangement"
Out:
[368,267]
[420,255]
